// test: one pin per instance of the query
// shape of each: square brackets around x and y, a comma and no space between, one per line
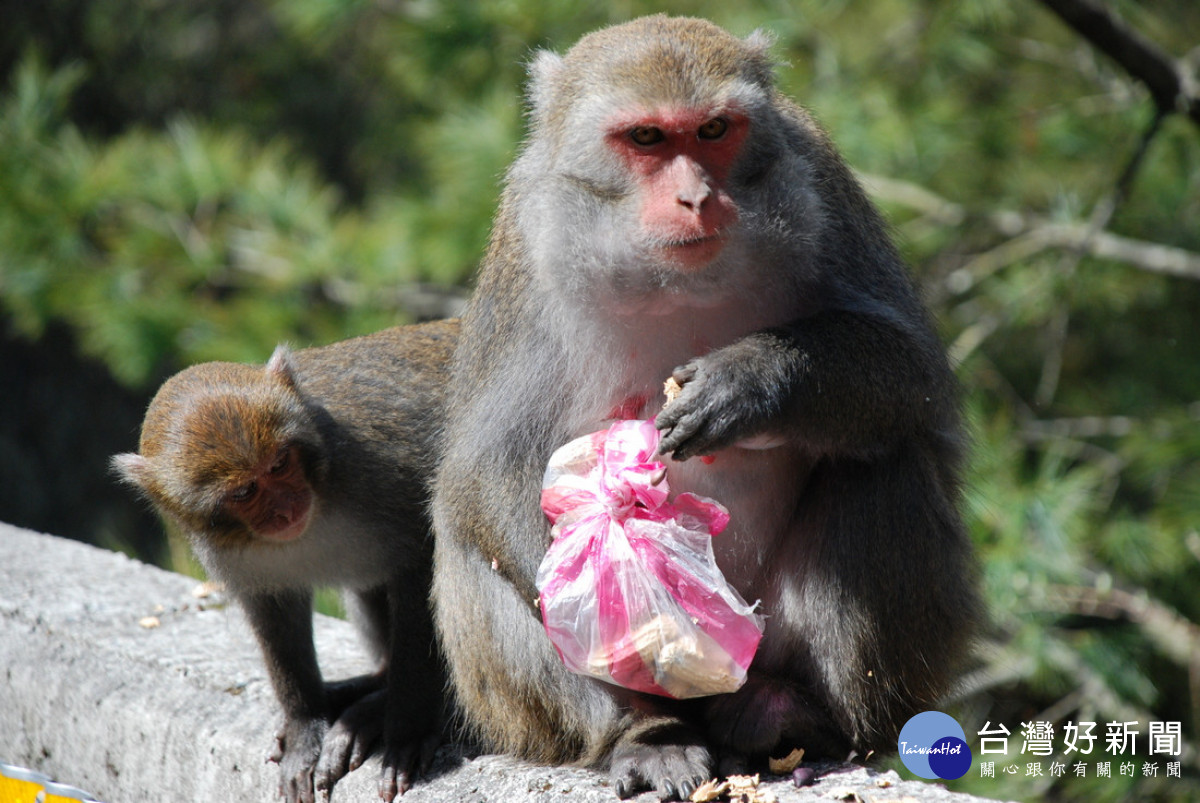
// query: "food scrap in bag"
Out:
[630,590]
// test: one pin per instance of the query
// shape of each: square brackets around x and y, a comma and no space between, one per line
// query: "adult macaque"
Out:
[672,215]
[315,471]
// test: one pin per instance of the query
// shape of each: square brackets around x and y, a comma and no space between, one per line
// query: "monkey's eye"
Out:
[713,129]
[646,135]
[244,493]
[281,461]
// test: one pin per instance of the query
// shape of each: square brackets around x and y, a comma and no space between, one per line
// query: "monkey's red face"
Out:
[276,502]
[680,160]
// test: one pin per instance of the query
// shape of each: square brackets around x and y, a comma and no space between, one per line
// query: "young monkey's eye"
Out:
[244,493]
[646,135]
[281,461]
[713,129]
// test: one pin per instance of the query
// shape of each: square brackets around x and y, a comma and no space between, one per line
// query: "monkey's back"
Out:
[379,403]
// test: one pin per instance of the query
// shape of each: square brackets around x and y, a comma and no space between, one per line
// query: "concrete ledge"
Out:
[183,711]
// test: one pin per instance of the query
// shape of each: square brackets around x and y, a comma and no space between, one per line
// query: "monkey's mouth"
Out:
[693,252]
[287,527]
[686,242]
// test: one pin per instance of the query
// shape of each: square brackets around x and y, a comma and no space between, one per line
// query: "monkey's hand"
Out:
[297,747]
[731,395]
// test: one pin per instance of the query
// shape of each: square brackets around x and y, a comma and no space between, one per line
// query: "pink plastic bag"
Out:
[630,590]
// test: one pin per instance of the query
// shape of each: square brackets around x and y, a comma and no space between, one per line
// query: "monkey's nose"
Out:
[692,188]
[693,198]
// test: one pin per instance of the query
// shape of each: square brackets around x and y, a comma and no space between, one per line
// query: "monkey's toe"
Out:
[397,775]
[349,741]
[672,770]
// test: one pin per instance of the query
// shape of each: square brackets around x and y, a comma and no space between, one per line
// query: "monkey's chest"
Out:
[336,551]
[758,487]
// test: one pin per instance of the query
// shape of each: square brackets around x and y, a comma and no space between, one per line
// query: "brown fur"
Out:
[364,417]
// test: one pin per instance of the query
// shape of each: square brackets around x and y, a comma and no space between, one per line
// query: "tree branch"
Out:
[1171,87]
[1030,234]
[1175,636]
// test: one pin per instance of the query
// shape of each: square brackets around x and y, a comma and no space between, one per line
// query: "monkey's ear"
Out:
[132,468]
[282,366]
[759,44]
[544,70]
[760,41]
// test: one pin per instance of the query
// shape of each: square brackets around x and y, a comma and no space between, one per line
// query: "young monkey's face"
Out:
[275,500]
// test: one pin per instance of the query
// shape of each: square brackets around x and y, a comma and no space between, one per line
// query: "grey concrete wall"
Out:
[183,712]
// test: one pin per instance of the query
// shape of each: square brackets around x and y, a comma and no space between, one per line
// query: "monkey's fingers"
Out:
[721,405]
[669,420]
[676,436]
[693,428]
[686,422]
[675,382]
[684,374]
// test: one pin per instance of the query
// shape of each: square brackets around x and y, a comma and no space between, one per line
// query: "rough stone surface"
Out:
[182,711]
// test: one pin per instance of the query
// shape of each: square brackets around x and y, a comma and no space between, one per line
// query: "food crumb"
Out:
[671,389]
[783,766]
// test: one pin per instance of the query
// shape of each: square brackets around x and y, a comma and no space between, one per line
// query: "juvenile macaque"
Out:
[311,471]
[672,215]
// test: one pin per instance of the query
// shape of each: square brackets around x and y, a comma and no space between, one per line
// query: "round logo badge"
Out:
[933,745]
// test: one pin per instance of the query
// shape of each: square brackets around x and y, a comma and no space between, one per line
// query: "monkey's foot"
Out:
[350,741]
[668,758]
[341,694]
[405,762]
[766,715]
[752,720]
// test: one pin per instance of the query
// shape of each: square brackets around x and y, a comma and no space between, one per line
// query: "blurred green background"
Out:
[186,180]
